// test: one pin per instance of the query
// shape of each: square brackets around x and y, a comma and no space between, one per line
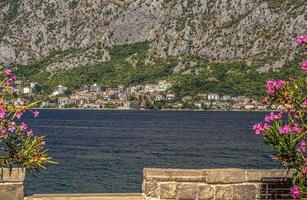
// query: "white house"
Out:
[164,86]
[150,88]
[170,97]
[62,101]
[160,97]
[32,85]
[213,97]
[95,88]
[59,90]
[226,98]
[26,90]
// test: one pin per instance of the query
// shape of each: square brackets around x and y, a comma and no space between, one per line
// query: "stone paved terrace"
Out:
[115,196]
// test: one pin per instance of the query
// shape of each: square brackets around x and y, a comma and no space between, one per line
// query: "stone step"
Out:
[99,196]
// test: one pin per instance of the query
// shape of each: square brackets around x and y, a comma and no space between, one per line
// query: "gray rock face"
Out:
[229,29]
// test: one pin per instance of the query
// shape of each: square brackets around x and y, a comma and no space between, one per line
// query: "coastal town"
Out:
[149,96]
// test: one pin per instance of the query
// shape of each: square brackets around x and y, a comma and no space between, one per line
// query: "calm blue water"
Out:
[105,151]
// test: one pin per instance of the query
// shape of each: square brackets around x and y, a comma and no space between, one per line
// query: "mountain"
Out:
[227,46]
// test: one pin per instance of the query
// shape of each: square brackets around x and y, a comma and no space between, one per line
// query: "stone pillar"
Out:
[12,184]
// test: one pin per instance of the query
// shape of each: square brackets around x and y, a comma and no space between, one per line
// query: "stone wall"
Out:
[12,184]
[205,184]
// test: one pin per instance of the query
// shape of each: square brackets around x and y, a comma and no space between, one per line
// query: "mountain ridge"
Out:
[203,39]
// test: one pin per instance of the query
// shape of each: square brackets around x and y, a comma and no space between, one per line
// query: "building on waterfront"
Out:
[95,88]
[26,90]
[59,90]
[171,97]
[213,97]
[45,104]
[63,101]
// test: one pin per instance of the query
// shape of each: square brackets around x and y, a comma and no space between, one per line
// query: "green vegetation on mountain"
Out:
[137,63]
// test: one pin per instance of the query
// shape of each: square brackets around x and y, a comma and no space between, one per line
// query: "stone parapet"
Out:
[206,184]
[12,184]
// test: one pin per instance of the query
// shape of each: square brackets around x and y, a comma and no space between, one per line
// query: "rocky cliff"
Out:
[260,32]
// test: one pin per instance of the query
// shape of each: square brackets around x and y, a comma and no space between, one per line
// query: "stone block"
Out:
[150,189]
[174,175]
[226,176]
[244,192]
[205,192]
[255,175]
[223,193]
[16,175]
[187,192]
[168,190]
[12,191]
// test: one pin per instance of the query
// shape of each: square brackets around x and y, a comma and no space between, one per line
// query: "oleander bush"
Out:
[19,147]
[286,130]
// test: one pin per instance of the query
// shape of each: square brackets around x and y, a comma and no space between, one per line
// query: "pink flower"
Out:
[285,130]
[30,133]
[304,170]
[266,126]
[7,72]
[302,146]
[270,86]
[259,128]
[305,102]
[13,77]
[11,128]
[297,128]
[279,84]
[304,66]
[2,113]
[305,39]
[3,132]
[23,126]
[273,85]
[36,114]
[19,115]
[295,192]
[272,117]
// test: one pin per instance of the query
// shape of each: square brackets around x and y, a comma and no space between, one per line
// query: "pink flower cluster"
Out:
[259,128]
[2,113]
[9,115]
[273,85]
[288,129]
[272,117]
[295,192]
[10,76]
[302,146]
[304,66]
[301,39]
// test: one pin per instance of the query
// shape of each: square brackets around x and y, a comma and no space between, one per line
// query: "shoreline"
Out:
[161,110]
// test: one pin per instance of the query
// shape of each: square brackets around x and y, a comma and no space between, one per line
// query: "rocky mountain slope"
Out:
[259,32]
